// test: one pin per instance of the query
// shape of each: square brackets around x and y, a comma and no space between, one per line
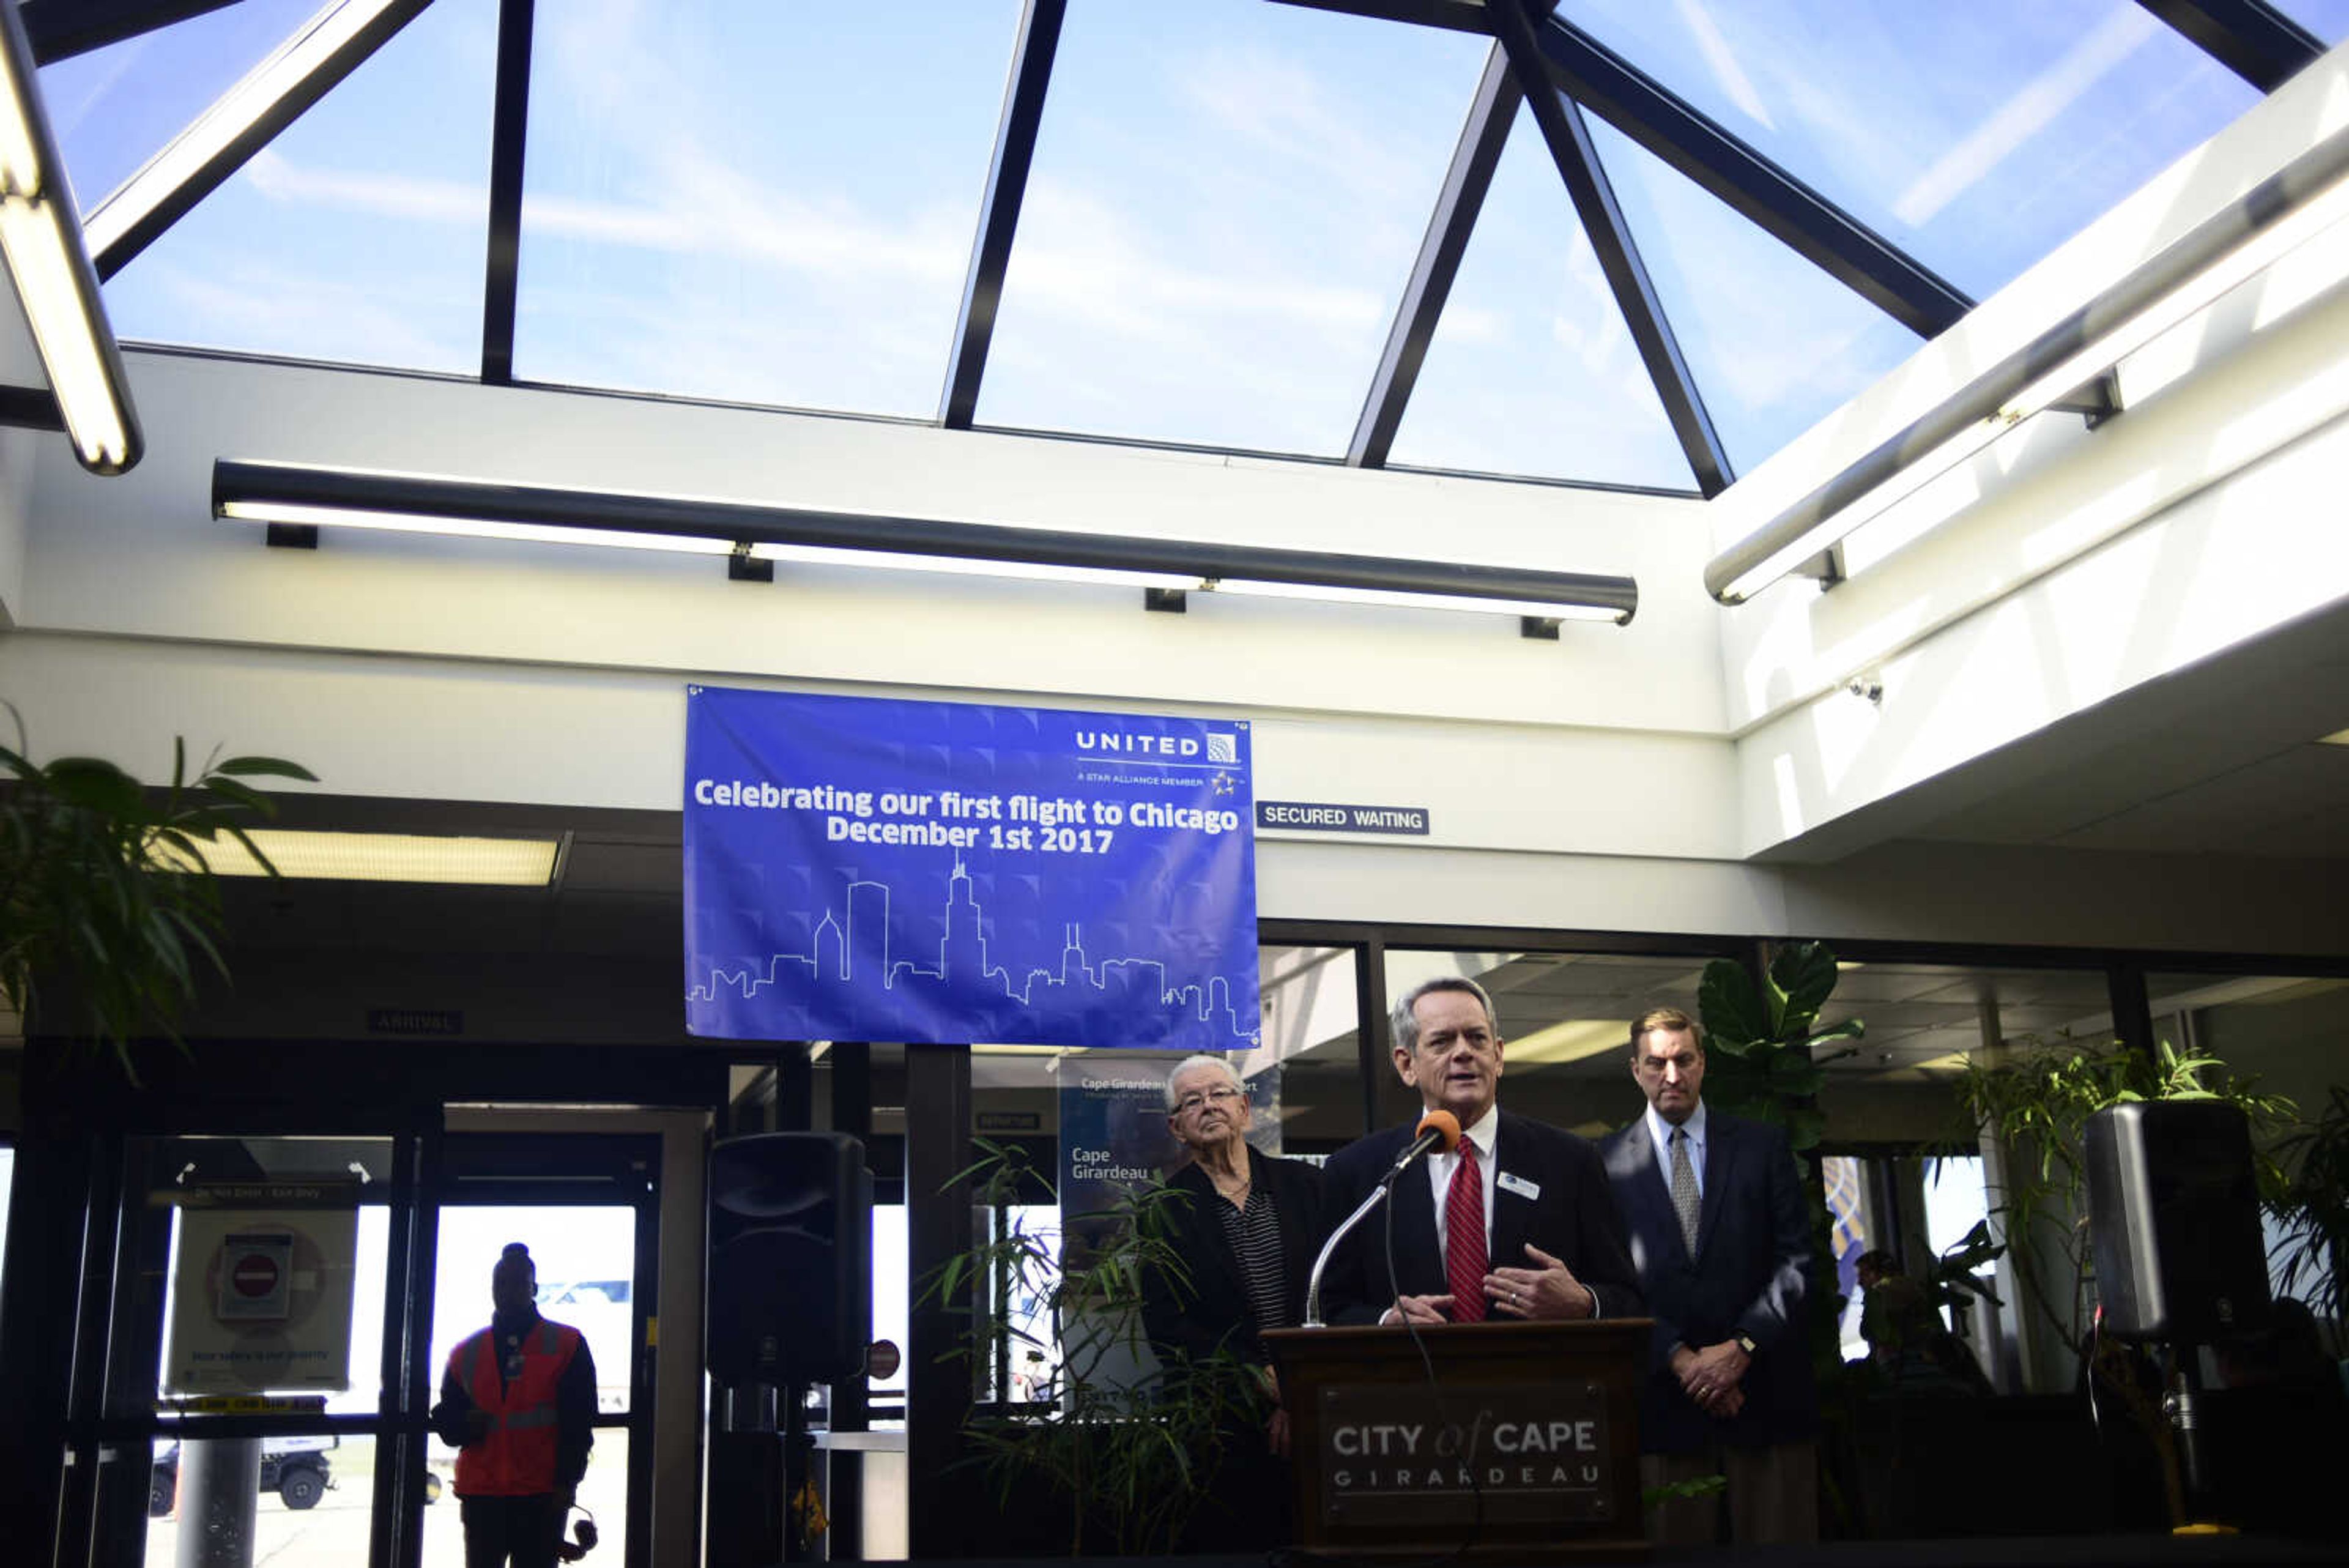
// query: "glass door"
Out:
[245,1378]
[586,1207]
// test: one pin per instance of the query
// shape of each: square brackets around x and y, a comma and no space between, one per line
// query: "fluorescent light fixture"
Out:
[887,560]
[2339,737]
[42,237]
[2281,213]
[468,528]
[1955,1061]
[1398,600]
[321,52]
[1570,1041]
[331,498]
[388,857]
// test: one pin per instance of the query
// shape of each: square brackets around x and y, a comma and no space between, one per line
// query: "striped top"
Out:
[1255,1235]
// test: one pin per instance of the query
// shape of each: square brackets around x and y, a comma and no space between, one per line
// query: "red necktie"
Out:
[1463,1238]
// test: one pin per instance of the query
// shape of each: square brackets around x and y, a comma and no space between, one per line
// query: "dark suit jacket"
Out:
[1570,1218]
[1209,1310]
[1750,1275]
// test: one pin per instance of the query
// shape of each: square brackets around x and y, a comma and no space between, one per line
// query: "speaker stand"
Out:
[746,1503]
[2182,1404]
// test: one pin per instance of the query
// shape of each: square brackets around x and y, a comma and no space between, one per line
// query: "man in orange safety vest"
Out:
[518,1403]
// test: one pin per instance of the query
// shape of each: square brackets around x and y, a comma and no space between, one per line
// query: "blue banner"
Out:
[949,873]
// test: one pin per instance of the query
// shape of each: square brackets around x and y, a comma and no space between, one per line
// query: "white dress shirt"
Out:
[1485,1134]
[1661,1131]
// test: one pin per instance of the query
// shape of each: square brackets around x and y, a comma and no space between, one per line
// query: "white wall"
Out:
[19,452]
[141,555]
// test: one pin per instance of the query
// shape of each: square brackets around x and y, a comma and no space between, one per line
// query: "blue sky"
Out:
[774,203]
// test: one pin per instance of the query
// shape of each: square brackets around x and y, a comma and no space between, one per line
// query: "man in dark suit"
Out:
[1517,1224]
[1722,1241]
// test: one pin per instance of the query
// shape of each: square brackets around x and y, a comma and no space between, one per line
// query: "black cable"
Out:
[1435,1395]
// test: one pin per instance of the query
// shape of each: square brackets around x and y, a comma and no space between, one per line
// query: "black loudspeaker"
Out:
[791,1259]
[2174,1215]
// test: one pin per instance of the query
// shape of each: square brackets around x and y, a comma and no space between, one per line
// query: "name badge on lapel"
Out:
[1508,1181]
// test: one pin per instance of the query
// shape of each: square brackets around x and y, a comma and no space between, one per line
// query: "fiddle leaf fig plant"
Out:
[109,918]
[1762,1044]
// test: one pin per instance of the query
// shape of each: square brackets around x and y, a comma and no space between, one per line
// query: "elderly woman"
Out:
[1245,1238]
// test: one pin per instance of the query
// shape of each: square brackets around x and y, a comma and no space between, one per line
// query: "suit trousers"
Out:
[1774,1495]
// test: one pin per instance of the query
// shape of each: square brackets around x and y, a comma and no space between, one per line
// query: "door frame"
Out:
[665,1379]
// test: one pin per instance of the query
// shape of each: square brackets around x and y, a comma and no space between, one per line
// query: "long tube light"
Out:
[2284,210]
[334,856]
[40,232]
[269,493]
[321,52]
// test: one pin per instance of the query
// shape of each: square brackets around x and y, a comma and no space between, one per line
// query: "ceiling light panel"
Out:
[390,857]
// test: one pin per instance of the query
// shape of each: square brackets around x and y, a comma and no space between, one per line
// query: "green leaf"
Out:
[1730,1006]
[262,767]
[88,784]
[1802,977]
[1849,1029]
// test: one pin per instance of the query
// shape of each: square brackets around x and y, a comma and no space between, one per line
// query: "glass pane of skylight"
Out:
[1775,344]
[359,235]
[757,202]
[1225,202]
[2328,19]
[1976,137]
[115,107]
[1532,370]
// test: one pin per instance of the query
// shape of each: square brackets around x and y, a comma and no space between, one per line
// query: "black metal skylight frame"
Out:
[2251,37]
[1491,114]
[509,138]
[60,30]
[1036,46]
[294,97]
[1568,137]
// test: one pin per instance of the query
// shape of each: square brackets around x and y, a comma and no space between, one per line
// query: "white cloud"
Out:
[1721,61]
[2023,117]
[406,197]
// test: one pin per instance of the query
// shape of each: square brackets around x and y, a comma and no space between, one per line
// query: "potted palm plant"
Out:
[1113,1457]
[110,917]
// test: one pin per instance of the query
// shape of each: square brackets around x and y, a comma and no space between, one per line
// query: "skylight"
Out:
[1225,202]
[745,201]
[1532,370]
[756,202]
[113,107]
[1977,137]
[357,234]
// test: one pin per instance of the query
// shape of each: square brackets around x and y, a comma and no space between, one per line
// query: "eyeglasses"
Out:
[1223,1097]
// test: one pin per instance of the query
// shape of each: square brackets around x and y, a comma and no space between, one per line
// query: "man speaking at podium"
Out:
[1515,1225]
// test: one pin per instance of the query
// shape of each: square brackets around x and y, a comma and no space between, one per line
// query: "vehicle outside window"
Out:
[296,1469]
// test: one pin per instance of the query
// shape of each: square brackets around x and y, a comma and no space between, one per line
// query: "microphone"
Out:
[1437,1129]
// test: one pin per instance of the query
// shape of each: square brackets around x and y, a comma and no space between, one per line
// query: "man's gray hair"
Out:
[1202,1060]
[1404,1025]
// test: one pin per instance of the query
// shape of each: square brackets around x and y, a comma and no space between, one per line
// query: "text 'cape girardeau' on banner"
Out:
[944,873]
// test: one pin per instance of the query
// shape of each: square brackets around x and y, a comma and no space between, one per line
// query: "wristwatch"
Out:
[1745,1343]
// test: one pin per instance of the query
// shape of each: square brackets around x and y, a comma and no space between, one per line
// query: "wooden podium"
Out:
[1549,1415]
